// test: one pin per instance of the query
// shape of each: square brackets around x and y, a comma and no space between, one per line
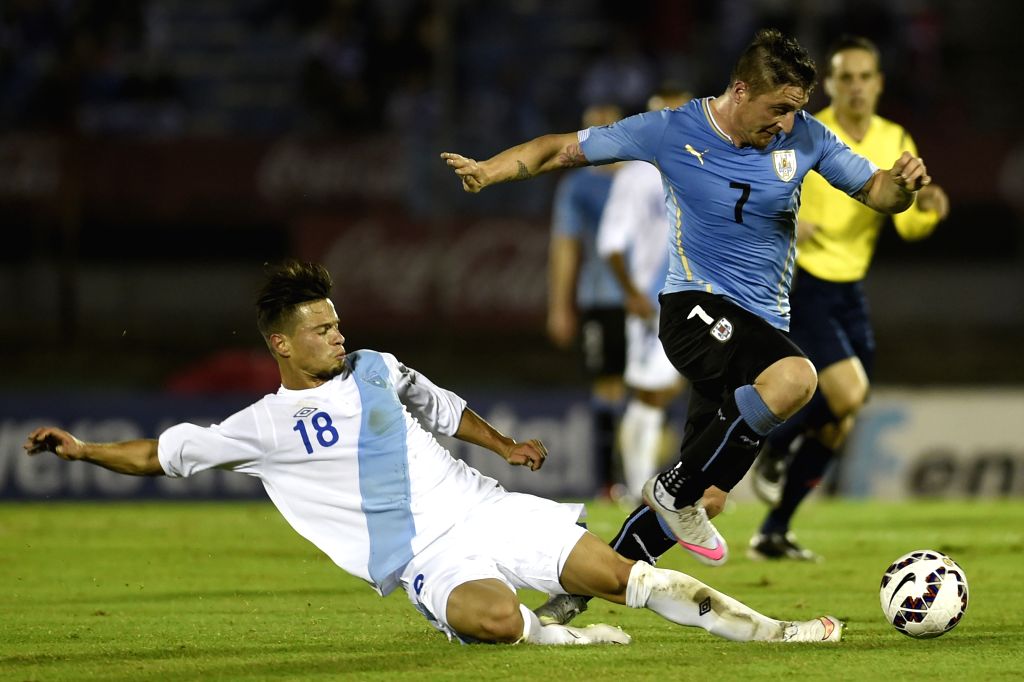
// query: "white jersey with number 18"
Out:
[350,464]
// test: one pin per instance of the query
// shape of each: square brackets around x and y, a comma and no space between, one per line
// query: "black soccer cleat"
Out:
[774,546]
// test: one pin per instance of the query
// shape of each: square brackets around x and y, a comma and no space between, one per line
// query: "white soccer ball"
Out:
[924,594]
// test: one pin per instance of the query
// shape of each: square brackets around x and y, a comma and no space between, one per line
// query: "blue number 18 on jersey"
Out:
[326,434]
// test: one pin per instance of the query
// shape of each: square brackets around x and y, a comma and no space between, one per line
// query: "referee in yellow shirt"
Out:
[836,237]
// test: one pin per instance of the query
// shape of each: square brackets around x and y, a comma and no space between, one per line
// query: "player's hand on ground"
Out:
[910,173]
[933,198]
[531,454]
[469,171]
[57,441]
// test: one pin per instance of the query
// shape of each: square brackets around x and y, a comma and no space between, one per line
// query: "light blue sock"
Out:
[754,411]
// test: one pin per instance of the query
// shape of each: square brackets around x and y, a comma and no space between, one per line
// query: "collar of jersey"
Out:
[706,106]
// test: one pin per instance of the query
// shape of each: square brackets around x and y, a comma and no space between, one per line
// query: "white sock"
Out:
[685,600]
[639,441]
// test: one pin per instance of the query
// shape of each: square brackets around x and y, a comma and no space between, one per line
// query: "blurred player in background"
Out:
[837,238]
[732,167]
[346,452]
[633,227]
[585,303]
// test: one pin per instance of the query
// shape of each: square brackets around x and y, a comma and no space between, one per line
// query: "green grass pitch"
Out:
[174,591]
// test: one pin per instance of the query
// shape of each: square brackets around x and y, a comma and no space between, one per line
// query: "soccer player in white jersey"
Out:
[732,167]
[633,226]
[346,451]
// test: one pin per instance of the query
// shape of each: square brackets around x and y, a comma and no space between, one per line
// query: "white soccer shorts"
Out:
[647,366]
[521,540]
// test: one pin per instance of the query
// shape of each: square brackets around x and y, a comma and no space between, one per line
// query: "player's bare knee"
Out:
[501,621]
[847,401]
[797,381]
[804,378]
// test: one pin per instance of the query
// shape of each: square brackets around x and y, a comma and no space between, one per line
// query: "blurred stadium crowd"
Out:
[154,151]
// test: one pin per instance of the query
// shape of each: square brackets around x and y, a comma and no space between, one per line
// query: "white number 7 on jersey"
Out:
[699,312]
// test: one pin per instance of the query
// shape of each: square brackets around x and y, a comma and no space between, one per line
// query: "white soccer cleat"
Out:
[824,629]
[598,633]
[690,525]
[768,476]
[560,609]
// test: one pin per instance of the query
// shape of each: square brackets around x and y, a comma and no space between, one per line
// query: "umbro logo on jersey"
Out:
[304,412]
[376,380]
[699,155]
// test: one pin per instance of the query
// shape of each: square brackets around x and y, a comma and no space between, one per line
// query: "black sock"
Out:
[719,455]
[604,418]
[642,537]
[802,475]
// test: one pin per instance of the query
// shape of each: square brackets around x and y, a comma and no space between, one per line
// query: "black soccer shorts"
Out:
[717,345]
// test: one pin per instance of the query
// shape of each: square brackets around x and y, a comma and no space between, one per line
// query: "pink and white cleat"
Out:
[690,525]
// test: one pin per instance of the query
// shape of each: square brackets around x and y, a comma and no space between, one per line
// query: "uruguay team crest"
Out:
[722,330]
[784,161]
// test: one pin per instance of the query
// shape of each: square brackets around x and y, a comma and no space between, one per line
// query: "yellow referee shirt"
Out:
[840,249]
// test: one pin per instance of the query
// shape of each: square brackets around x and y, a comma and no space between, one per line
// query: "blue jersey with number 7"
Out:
[732,211]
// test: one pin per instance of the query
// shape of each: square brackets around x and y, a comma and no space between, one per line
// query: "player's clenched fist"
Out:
[57,441]
[531,454]
[910,173]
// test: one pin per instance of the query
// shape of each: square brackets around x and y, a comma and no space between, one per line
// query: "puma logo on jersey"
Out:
[699,155]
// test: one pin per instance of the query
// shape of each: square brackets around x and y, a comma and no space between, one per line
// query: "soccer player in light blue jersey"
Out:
[731,167]
[346,450]
[585,302]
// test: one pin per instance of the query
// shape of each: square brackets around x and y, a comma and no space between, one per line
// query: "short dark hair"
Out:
[288,286]
[851,42]
[773,60]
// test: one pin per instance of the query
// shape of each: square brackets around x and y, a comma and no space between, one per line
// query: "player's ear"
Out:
[281,344]
[739,90]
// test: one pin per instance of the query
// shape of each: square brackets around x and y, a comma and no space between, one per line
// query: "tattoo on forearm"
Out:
[523,173]
[572,156]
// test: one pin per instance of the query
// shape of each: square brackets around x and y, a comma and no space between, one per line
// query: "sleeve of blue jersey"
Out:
[842,167]
[633,138]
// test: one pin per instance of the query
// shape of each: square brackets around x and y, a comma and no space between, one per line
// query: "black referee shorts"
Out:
[830,321]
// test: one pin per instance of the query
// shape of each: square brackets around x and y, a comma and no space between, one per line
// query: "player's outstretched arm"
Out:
[893,190]
[476,430]
[539,155]
[134,457]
